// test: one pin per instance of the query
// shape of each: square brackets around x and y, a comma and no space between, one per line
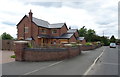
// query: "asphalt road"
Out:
[107,64]
[74,66]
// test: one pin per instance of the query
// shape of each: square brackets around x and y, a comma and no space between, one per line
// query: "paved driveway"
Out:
[5,56]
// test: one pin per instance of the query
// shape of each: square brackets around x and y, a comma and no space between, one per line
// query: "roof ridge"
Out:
[56,23]
[73,29]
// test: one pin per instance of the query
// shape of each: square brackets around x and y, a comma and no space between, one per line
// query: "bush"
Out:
[30,45]
[95,43]
[74,45]
[88,43]
[13,56]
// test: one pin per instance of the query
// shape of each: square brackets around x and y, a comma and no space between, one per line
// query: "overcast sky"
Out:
[100,15]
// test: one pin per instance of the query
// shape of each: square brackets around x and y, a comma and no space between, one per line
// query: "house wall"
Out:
[34,30]
[83,42]
[47,31]
[76,34]
[55,40]
[35,33]
[63,30]
[72,39]
[20,28]
[64,41]
[60,31]
[55,34]
[26,23]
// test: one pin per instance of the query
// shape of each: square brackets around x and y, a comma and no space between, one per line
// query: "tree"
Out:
[90,35]
[6,36]
[112,39]
[105,41]
[96,38]
[82,32]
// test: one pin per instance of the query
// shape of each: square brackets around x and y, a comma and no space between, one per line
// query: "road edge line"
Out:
[95,61]
[43,67]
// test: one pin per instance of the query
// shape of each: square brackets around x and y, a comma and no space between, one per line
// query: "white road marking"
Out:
[94,63]
[43,68]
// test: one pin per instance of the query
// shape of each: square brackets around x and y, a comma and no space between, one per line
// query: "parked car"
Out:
[112,45]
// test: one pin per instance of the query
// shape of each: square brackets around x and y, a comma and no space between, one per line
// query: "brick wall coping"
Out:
[21,42]
[87,45]
[46,49]
[49,49]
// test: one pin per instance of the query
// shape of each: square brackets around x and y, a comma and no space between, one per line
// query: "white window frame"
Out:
[54,31]
[26,29]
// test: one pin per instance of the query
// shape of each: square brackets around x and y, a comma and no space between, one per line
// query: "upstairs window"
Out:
[54,31]
[43,30]
[26,29]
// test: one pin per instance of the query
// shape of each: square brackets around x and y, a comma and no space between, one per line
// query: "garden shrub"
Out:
[13,56]
[30,45]
[88,43]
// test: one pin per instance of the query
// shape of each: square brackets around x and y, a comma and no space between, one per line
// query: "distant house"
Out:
[82,40]
[43,33]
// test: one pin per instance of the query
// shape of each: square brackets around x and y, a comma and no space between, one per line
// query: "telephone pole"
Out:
[103,33]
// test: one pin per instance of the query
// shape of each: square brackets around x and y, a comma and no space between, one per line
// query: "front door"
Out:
[44,41]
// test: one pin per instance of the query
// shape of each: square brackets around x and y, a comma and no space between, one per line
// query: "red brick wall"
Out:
[59,31]
[83,41]
[19,51]
[72,39]
[47,31]
[63,30]
[74,52]
[23,54]
[26,23]
[55,34]
[89,47]
[20,27]
[35,33]
[55,40]
[76,34]
[44,56]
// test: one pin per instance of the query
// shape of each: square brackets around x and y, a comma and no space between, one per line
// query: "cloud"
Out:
[8,23]
[100,15]
[8,29]
[48,4]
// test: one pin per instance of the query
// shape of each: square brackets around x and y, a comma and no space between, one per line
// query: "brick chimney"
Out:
[30,15]
[30,19]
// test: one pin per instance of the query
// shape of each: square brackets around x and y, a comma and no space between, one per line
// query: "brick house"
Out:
[82,40]
[44,33]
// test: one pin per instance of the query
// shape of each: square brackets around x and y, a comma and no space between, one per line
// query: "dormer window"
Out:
[26,29]
[54,31]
